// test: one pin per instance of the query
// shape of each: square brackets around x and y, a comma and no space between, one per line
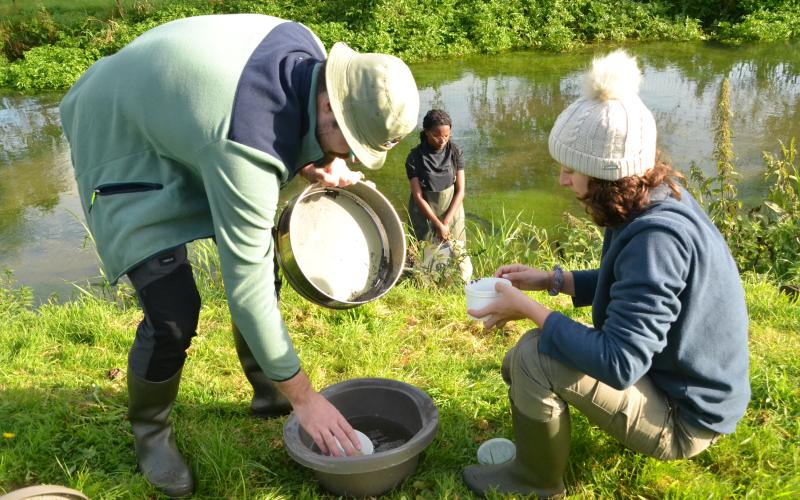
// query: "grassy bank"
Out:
[63,405]
[47,44]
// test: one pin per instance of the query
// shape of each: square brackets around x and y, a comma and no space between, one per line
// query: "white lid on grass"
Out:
[496,451]
[366,444]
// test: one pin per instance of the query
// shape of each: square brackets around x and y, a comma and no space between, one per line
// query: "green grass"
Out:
[67,415]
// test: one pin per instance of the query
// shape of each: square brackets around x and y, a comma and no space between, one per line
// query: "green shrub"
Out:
[779,217]
[18,37]
[762,26]
[411,29]
[49,67]
[5,68]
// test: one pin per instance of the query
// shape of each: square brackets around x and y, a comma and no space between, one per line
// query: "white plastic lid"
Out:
[366,444]
[496,451]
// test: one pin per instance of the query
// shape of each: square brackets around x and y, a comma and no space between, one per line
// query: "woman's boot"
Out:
[149,405]
[268,401]
[537,469]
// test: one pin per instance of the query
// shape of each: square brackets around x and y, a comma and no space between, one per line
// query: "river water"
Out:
[502,106]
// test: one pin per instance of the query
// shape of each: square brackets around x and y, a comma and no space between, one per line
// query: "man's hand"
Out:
[334,174]
[319,418]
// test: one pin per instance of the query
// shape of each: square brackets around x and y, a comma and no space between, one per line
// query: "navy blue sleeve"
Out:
[585,285]
[644,302]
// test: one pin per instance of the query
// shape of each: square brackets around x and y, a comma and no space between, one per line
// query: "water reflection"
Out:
[503,107]
[41,236]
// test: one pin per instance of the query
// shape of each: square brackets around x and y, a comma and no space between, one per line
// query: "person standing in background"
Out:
[435,170]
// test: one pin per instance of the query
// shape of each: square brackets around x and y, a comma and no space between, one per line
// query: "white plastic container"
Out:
[367,447]
[481,293]
[496,451]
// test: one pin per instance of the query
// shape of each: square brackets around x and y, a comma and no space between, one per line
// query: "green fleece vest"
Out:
[148,129]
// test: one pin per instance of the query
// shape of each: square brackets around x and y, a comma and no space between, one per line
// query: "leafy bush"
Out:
[5,76]
[762,26]
[411,29]
[18,37]
[709,12]
[49,67]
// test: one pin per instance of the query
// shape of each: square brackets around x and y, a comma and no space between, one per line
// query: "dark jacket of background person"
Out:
[436,170]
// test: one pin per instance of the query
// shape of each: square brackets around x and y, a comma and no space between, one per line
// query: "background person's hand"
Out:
[443,230]
[524,277]
[511,304]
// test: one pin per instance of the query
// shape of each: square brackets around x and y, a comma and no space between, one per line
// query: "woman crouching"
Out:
[664,366]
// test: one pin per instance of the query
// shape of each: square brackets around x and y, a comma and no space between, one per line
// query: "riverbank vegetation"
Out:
[47,44]
[764,238]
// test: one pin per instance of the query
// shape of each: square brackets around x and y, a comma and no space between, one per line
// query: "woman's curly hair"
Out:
[611,203]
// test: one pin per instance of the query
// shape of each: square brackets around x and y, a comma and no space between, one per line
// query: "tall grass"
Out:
[765,238]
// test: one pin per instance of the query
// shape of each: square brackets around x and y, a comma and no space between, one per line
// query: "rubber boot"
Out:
[537,469]
[268,401]
[149,405]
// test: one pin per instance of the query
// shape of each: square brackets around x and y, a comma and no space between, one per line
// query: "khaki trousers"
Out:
[640,417]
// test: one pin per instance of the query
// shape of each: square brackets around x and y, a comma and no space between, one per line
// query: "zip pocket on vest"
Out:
[122,188]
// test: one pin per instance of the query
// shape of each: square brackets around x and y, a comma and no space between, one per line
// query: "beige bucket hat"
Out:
[374,99]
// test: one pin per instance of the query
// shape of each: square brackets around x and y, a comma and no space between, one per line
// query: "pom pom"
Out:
[614,76]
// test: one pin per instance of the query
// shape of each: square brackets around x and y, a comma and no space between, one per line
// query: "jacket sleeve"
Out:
[644,301]
[585,286]
[242,185]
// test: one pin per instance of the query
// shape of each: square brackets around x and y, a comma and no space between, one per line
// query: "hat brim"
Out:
[336,80]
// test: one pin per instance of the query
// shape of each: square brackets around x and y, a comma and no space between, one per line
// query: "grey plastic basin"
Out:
[401,413]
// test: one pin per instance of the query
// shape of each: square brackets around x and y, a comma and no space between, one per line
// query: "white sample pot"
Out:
[480,293]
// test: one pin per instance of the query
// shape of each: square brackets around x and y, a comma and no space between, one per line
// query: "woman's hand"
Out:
[524,277]
[443,230]
[511,304]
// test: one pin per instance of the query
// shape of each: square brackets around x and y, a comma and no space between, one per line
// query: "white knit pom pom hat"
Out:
[608,133]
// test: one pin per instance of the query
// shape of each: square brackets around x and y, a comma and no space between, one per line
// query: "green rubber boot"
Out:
[537,469]
[268,401]
[149,405]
